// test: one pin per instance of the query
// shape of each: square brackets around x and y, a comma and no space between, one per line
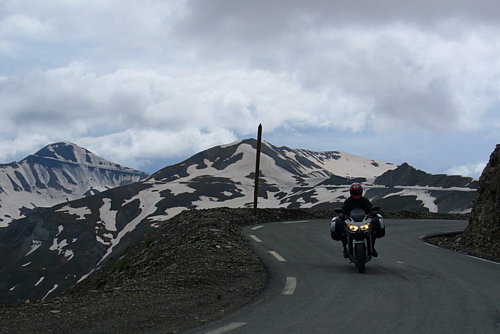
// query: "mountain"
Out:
[407,188]
[57,173]
[50,250]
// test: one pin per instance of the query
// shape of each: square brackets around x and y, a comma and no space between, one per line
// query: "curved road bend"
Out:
[411,287]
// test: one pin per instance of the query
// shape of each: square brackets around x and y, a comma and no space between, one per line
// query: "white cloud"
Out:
[23,26]
[13,149]
[144,80]
[135,147]
[471,169]
[121,108]
[404,72]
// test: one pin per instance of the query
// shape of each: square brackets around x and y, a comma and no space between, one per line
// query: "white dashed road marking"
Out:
[255,238]
[296,222]
[291,284]
[227,328]
[277,256]
[257,227]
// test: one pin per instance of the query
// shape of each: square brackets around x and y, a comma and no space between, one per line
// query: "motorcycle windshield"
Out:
[358,215]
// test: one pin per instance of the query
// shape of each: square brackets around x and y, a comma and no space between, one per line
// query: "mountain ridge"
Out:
[81,235]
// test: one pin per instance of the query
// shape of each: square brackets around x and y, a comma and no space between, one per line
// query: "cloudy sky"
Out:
[149,83]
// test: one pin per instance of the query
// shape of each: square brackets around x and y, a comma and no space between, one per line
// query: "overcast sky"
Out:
[149,83]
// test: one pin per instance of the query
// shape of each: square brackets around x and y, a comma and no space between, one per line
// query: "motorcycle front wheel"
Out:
[360,257]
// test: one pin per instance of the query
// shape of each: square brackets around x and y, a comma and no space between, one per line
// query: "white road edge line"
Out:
[471,256]
[227,328]
[478,258]
[257,227]
[255,238]
[277,256]
[291,284]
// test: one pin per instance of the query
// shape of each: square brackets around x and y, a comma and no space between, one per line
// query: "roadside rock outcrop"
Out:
[483,233]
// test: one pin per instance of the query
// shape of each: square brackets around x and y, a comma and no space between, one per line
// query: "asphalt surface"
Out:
[411,287]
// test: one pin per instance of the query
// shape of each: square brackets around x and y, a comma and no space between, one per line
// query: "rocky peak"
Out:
[66,152]
[483,232]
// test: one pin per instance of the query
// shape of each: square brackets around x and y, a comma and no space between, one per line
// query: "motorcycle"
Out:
[359,227]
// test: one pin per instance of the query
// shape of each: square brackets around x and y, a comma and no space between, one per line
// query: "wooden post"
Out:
[257,170]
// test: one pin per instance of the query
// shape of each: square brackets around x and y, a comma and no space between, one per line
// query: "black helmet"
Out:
[356,190]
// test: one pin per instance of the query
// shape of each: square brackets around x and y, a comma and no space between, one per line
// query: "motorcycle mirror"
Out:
[376,208]
[338,211]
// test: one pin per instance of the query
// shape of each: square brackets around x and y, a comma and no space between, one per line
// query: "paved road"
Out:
[411,287]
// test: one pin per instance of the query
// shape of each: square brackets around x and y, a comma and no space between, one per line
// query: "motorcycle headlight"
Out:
[365,227]
[352,228]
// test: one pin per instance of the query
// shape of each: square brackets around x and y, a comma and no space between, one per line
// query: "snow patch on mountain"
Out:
[79,212]
[108,216]
[59,247]
[50,291]
[424,196]
[35,244]
[178,188]
[40,280]
[429,188]
[147,206]
[69,254]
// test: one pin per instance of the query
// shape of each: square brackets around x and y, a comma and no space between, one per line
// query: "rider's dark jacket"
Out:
[360,203]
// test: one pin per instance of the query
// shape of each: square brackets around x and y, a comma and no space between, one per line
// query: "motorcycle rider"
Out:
[357,201]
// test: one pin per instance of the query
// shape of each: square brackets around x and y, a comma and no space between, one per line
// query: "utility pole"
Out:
[257,171]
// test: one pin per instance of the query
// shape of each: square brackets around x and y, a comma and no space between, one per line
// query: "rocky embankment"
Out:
[482,235]
[194,268]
